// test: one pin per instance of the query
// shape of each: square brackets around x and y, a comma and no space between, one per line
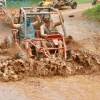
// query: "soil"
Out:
[55,79]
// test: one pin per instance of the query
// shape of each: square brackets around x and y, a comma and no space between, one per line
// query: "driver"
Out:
[45,30]
[31,33]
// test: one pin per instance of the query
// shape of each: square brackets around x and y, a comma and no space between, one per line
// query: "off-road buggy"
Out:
[58,3]
[54,37]
[3,8]
[95,2]
[3,11]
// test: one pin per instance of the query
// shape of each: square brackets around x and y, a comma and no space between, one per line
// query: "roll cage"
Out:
[54,37]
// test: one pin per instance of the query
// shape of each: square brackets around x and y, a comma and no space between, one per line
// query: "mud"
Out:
[81,62]
[76,77]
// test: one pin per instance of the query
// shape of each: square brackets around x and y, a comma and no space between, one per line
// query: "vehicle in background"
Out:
[95,2]
[3,8]
[58,3]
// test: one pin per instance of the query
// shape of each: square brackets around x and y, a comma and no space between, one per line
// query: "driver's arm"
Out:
[59,22]
[17,26]
[13,12]
[38,22]
[42,28]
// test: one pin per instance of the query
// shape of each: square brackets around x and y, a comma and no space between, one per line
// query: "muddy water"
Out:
[57,88]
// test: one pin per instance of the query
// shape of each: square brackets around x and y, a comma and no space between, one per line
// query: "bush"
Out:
[93,13]
[24,3]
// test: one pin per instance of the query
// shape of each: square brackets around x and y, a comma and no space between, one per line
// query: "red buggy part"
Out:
[54,38]
[14,32]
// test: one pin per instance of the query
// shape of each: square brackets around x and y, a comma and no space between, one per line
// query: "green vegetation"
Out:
[19,4]
[83,1]
[28,3]
[93,13]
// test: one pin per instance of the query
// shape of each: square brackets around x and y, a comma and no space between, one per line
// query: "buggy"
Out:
[58,3]
[54,37]
[95,2]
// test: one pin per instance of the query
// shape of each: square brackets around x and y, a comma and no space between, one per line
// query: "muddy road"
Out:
[72,87]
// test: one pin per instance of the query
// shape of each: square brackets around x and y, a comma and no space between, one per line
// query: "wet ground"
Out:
[58,88]
[79,85]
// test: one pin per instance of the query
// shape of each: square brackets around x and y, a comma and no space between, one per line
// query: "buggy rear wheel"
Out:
[40,5]
[56,5]
[93,2]
[9,41]
[74,5]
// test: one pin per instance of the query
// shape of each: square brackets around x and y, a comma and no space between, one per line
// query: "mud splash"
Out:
[81,62]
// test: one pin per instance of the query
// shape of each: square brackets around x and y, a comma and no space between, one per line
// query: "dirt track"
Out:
[78,87]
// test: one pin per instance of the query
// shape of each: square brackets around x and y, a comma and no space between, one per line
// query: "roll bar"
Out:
[25,15]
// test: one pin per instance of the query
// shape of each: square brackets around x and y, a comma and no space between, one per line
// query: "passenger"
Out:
[45,30]
[31,33]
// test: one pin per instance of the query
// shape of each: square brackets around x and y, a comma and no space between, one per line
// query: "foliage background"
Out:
[93,13]
[27,3]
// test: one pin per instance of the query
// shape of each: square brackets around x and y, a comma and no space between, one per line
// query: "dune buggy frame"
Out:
[3,8]
[54,38]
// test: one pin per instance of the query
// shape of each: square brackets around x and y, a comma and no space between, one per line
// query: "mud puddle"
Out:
[77,87]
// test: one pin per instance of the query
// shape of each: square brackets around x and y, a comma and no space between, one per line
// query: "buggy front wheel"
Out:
[74,5]
[9,41]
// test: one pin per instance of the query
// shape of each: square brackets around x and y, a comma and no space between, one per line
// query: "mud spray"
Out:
[81,62]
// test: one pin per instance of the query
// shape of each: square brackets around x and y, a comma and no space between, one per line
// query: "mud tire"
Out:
[56,5]
[9,42]
[69,53]
[40,5]
[74,5]
[93,2]
[21,55]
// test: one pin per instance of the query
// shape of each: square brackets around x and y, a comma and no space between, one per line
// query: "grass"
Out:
[83,1]
[19,4]
[93,13]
